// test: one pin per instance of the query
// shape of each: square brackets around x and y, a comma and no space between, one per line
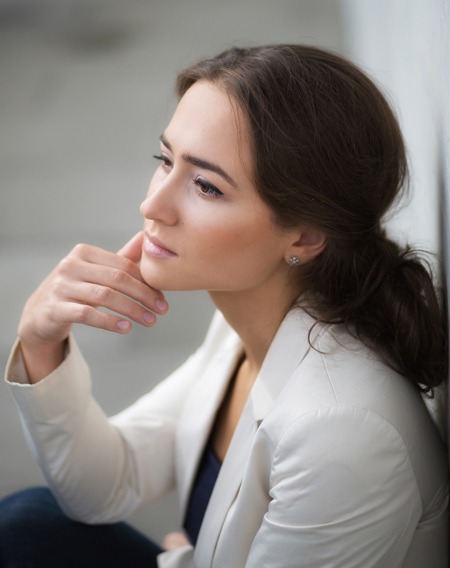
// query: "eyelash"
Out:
[163,158]
[205,189]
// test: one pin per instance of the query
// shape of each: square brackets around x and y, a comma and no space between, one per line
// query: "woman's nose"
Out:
[159,204]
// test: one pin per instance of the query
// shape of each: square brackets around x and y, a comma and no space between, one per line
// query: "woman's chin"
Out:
[170,279]
[160,280]
[154,278]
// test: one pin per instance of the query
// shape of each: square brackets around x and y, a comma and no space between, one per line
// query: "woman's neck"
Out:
[256,317]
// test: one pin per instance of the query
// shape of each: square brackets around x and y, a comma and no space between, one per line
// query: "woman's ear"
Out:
[309,244]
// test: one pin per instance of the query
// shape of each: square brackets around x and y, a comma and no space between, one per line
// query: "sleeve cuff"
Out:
[66,387]
[16,371]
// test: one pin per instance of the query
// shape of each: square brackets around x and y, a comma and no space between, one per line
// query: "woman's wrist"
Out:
[41,358]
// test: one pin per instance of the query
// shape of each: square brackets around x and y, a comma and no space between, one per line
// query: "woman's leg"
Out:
[35,533]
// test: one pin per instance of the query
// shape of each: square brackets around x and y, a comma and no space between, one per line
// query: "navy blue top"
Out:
[205,480]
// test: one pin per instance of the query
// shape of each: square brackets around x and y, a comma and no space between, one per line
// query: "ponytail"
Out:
[386,296]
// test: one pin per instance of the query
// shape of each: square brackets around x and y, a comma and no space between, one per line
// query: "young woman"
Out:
[296,436]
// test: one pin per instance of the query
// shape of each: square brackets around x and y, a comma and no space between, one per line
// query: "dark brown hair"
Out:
[328,153]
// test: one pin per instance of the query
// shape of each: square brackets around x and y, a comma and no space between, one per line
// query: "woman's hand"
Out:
[175,540]
[85,281]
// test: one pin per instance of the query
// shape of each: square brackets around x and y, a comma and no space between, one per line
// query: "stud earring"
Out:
[293,260]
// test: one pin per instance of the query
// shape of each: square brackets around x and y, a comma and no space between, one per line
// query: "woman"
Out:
[296,435]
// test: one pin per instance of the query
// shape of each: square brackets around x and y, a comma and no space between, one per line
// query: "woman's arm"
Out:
[79,452]
[101,469]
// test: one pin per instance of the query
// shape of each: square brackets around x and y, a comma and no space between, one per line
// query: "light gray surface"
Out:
[85,89]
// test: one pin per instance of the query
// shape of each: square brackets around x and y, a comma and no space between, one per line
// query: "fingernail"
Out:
[149,317]
[123,325]
[161,305]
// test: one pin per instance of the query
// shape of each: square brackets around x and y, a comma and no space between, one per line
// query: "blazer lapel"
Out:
[288,349]
[200,413]
[226,488]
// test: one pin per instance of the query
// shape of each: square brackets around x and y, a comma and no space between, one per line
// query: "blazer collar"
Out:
[287,350]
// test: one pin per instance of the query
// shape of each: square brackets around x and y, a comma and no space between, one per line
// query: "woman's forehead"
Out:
[209,122]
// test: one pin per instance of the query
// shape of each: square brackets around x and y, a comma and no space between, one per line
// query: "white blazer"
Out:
[335,461]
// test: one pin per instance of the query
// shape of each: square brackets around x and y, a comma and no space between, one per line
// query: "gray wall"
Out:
[85,90]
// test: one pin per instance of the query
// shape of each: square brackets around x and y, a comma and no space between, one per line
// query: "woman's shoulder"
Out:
[340,372]
[344,401]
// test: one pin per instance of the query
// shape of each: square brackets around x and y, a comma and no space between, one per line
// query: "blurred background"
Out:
[86,87]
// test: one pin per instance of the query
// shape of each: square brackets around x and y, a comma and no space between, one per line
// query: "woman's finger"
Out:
[105,280]
[97,296]
[101,257]
[92,317]
[133,248]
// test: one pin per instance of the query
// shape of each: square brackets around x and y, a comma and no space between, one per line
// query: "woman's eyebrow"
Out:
[204,164]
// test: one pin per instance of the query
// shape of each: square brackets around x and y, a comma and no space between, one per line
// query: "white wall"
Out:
[405,45]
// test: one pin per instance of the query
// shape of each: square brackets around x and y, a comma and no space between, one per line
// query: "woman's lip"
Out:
[155,247]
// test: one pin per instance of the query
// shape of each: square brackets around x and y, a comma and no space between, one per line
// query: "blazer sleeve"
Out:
[100,469]
[342,494]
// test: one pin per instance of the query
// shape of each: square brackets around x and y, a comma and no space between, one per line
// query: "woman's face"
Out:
[206,227]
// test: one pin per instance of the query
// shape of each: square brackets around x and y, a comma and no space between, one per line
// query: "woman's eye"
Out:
[206,188]
[164,159]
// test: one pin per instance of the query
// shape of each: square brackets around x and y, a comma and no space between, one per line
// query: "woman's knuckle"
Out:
[63,265]
[129,265]
[102,293]
[66,266]
[79,250]
[56,287]
[117,276]
[82,313]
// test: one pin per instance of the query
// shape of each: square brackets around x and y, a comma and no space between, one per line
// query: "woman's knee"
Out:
[28,509]
[35,532]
